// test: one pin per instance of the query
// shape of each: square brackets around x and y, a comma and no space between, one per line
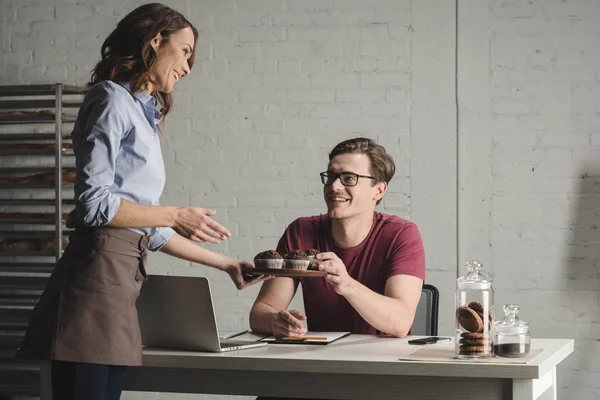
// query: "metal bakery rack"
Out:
[35,156]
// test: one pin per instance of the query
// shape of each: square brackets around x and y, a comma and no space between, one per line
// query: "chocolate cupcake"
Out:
[269,259]
[312,252]
[314,263]
[296,259]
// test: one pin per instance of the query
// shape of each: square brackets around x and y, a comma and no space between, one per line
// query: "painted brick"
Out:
[385,80]
[308,5]
[517,9]
[265,229]
[259,5]
[359,95]
[262,35]
[262,96]
[18,58]
[38,13]
[286,81]
[311,96]
[334,81]
[288,67]
[308,35]
[285,52]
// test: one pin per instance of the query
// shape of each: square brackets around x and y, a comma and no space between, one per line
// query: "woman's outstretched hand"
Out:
[238,273]
[196,223]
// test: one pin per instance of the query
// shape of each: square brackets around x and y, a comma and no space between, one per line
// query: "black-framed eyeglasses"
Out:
[346,178]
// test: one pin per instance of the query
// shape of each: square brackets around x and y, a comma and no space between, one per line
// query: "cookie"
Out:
[473,349]
[490,321]
[469,319]
[477,306]
[471,353]
[475,342]
[489,316]
[473,335]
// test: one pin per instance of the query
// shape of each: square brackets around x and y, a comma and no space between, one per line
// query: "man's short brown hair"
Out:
[382,164]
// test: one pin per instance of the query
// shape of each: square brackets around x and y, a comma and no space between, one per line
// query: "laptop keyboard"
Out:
[232,344]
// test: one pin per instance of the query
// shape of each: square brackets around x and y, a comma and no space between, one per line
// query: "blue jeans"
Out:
[81,381]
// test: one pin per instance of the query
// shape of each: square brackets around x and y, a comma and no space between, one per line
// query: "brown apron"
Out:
[87,311]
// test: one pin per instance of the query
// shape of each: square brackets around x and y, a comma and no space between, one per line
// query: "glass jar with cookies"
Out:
[474,304]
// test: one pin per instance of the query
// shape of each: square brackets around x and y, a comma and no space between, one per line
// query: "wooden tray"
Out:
[292,273]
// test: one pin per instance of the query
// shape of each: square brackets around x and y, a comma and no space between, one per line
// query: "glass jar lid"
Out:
[511,324]
[475,278]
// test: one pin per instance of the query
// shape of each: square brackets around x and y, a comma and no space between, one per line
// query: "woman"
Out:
[86,321]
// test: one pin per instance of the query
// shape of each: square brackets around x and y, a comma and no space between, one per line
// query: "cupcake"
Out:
[312,253]
[268,259]
[296,259]
[313,262]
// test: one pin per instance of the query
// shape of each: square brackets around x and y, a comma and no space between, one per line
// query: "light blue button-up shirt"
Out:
[118,156]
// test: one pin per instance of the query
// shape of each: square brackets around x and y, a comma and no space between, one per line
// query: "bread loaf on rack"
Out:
[26,113]
[67,176]
[33,146]
[29,244]
[17,245]
[22,215]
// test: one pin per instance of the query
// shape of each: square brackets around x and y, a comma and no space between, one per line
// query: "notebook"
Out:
[308,338]
[177,312]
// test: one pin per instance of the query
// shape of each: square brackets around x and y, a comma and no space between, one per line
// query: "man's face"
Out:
[349,201]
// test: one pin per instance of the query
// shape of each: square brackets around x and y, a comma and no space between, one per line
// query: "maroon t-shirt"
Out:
[392,247]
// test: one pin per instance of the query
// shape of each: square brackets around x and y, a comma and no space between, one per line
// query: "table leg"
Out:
[548,390]
[543,388]
[553,388]
[522,389]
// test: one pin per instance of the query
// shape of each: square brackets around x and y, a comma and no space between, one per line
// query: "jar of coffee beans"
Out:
[511,334]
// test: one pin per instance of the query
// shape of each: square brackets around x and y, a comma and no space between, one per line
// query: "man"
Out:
[375,262]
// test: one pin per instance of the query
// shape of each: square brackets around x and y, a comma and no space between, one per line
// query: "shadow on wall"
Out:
[578,309]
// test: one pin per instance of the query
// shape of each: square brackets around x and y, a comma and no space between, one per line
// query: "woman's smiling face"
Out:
[172,55]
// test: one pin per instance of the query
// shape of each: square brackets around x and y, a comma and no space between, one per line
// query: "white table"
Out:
[356,367]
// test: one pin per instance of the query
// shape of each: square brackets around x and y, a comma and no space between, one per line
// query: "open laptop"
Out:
[177,312]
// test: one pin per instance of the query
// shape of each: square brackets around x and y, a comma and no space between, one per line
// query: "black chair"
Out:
[426,316]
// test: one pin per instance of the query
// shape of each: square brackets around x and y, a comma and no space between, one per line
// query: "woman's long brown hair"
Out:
[127,53]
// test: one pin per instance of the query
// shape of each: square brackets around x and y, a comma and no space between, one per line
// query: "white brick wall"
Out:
[277,83]
[529,200]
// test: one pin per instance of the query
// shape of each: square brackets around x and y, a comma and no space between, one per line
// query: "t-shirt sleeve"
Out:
[407,256]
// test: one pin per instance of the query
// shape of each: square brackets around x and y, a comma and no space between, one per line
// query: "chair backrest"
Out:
[426,317]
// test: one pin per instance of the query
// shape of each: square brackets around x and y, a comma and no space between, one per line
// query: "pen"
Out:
[295,341]
[304,338]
